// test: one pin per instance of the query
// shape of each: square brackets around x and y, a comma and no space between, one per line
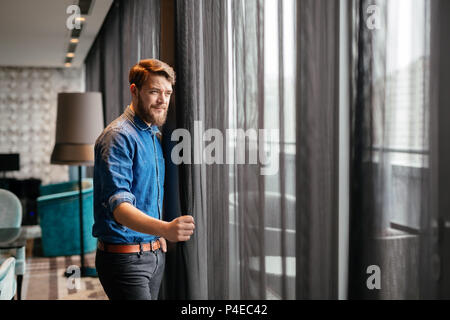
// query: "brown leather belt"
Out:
[129,248]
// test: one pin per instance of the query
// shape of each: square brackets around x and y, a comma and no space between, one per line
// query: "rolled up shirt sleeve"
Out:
[116,162]
[120,197]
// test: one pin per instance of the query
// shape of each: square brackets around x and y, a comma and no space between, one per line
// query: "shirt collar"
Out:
[138,122]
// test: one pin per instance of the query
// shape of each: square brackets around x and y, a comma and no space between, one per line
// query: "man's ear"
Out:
[133,90]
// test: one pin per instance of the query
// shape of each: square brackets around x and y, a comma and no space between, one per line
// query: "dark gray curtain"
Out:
[393,225]
[202,96]
[317,149]
[439,136]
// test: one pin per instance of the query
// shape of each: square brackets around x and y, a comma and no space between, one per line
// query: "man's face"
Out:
[153,100]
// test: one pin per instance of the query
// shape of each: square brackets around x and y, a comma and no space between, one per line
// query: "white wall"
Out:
[28,106]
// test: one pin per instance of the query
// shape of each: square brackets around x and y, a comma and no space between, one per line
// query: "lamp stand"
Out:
[84,271]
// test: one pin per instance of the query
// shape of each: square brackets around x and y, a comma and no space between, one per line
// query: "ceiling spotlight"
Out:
[74,40]
[70,55]
[67,64]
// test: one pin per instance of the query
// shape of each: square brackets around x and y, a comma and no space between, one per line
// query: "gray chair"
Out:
[11,217]
[8,279]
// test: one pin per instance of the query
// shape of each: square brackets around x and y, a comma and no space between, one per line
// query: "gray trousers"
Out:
[130,276]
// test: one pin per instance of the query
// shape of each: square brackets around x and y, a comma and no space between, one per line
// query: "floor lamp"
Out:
[79,122]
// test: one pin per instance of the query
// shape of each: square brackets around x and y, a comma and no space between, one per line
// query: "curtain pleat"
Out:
[201,105]
[317,149]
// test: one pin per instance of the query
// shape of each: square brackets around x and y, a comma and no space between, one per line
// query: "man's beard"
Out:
[150,115]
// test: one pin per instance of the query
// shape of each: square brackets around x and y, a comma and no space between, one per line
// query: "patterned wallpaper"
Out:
[28,105]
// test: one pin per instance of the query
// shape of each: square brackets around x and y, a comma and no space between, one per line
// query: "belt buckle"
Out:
[154,245]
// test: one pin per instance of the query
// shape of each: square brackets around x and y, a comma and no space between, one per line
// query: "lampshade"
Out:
[79,122]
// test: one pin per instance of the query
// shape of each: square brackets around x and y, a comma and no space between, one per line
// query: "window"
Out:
[403,124]
[401,60]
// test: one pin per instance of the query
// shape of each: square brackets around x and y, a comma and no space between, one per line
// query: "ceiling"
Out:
[34,33]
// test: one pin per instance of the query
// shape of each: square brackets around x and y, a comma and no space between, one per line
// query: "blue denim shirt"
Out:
[129,167]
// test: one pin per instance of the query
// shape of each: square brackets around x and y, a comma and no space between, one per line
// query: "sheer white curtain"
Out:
[262,96]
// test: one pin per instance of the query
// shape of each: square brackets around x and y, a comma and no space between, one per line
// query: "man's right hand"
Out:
[180,229]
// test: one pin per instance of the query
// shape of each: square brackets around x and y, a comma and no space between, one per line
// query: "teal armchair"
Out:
[58,211]
[8,279]
[11,217]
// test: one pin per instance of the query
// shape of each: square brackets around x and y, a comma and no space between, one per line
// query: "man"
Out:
[128,190]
